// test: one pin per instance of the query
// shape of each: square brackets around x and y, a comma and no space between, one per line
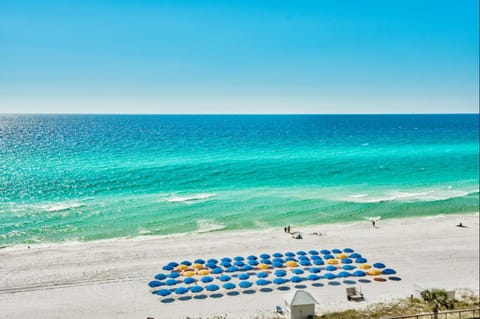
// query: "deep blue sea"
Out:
[89,177]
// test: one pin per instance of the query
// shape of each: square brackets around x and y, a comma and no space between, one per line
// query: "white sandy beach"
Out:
[108,279]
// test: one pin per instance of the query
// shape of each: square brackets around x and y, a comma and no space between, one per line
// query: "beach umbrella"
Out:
[360,260]
[289,254]
[280,273]
[359,273]
[196,289]
[379,265]
[329,275]
[343,274]
[247,268]
[303,257]
[331,268]
[262,274]
[232,269]
[229,285]
[203,272]
[226,264]
[364,266]
[314,270]
[238,258]
[263,282]
[252,262]
[181,290]
[243,276]
[297,271]
[346,261]
[305,263]
[199,261]
[325,251]
[155,283]
[277,255]
[244,284]
[182,267]
[332,261]
[163,292]
[318,262]
[329,257]
[168,268]
[264,256]
[279,281]
[315,257]
[313,277]
[188,273]
[348,267]
[206,279]
[348,250]
[226,260]
[262,266]
[291,263]
[355,255]
[189,280]
[224,278]
[212,287]
[186,263]
[197,266]
[239,263]
[336,251]
[290,259]
[252,257]
[277,264]
[301,253]
[313,252]
[266,261]
[388,271]
[296,279]
[217,271]
[374,272]
[174,275]
[341,256]
[160,276]
[170,282]
[211,265]
[212,261]
[173,264]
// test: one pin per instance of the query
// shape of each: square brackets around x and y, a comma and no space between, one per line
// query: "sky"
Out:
[318,56]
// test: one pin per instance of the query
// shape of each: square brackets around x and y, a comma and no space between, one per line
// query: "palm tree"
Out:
[438,299]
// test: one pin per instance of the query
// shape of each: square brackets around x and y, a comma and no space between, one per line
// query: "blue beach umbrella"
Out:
[238,258]
[318,262]
[289,254]
[163,292]
[229,285]
[217,271]
[173,264]
[186,263]
[189,280]
[174,275]
[252,257]
[245,284]
[315,257]
[305,263]
[266,261]
[224,278]
[329,257]
[360,260]
[226,264]
[279,281]
[379,265]
[212,261]
[280,273]
[196,289]
[325,251]
[212,287]
[301,253]
[336,251]
[232,269]
[331,268]
[359,273]
[329,275]
[264,256]
[277,264]
[243,276]
[277,255]
[199,261]
[348,267]
[168,268]
[313,252]
[160,276]
[247,268]
[303,257]
[263,282]
[155,283]
[355,255]
[297,271]
[291,259]
[262,274]
[278,259]
[296,279]
[313,277]
[211,265]
[226,260]
[388,271]
[343,274]
[348,250]
[346,261]
[206,279]
[252,262]
[239,263]
[315,270]
[181,290]
[170,282]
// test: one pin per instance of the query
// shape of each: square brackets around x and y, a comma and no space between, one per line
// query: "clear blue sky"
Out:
[243,56]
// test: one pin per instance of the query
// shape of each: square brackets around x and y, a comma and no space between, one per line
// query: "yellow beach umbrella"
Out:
[262,266]
[203,272]
[374,272]
[341,256]
[182,267]
[291,263]
[364,266]
[188,273]
[332,261]
[197,266]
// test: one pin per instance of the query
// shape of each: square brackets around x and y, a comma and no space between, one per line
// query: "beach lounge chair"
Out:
[354,294]
[279,310]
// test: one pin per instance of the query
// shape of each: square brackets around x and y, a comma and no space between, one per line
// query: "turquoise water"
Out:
[88,177]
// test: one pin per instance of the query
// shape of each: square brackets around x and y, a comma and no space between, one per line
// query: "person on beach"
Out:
[288,229]
[373,223]
[285,229]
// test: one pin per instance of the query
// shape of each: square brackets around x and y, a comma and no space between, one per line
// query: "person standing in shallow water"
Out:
[285,229]
[288,229]
[373,223]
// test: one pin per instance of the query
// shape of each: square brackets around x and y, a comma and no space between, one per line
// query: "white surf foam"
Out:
[192,198]
[208,225]
[403,196]
[58,207]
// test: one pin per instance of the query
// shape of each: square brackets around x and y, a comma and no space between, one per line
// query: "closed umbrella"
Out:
[243,276]
[245,284]
[206,279]
[224,278]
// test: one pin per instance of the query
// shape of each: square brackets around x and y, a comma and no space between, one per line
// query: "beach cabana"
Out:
[299,305]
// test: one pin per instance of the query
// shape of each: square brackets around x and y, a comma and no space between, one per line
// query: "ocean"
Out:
[89,177]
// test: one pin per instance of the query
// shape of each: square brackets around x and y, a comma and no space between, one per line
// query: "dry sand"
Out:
[108,279]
